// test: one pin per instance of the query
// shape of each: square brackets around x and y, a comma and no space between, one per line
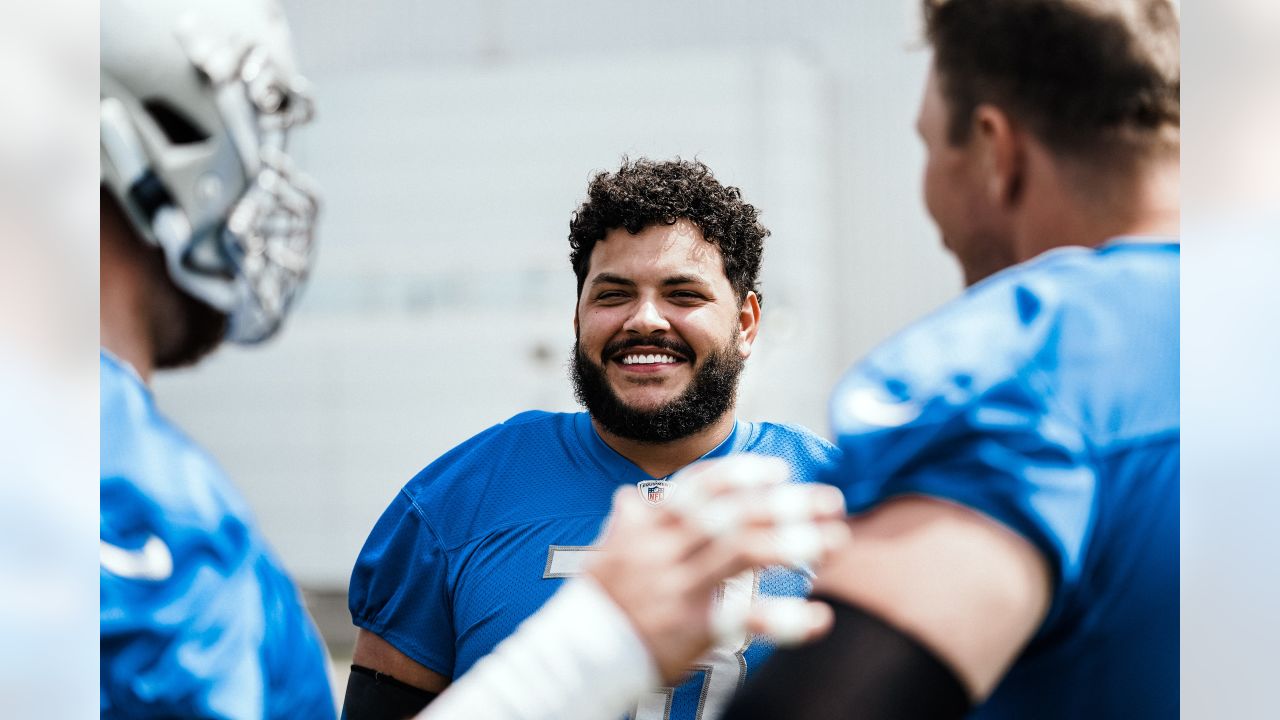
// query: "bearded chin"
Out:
[707,399]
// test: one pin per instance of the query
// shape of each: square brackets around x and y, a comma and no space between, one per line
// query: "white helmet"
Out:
[197,99]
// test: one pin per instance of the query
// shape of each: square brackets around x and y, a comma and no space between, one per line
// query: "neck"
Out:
[122,314]
[1079,211]
[662,459]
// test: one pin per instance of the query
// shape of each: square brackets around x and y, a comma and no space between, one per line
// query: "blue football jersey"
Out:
[198,619]
[1047,398]
[481,538]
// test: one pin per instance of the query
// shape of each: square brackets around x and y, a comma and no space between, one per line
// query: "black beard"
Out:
[707,399]
[203,330]
[185,329]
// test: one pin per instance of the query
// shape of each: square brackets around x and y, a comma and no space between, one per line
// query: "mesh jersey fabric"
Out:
[1047,398]
[471,546]
[198,619]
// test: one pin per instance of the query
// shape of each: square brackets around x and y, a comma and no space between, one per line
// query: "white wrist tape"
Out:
[578,658]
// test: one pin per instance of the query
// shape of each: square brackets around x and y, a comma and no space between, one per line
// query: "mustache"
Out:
[662,343]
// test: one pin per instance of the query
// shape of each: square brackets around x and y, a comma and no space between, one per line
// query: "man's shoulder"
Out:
[537,420]
[505,460]
[792,442]
[128,415]
[525,426]
[942,361]
[1066,319]
[531,428]
[1077,279]
[147,461]
[165,505]
[159,598]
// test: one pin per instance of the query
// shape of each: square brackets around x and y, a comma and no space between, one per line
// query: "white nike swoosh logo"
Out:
[873,408]
[152,561]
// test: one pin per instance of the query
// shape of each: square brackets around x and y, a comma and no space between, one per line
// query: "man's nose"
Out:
[647,319]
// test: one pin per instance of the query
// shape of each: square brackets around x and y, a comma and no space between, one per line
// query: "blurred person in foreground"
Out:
[206,236]
[667,261]
[1011,462]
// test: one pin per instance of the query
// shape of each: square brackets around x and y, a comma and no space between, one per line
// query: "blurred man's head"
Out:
[667,261]
[197,100]
[1082,94]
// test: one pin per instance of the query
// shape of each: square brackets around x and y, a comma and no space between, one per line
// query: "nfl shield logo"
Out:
[655,492]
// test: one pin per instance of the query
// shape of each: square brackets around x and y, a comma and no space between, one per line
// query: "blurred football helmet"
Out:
[198,97]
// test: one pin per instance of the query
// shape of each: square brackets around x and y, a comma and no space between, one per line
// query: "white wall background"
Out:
[453,142]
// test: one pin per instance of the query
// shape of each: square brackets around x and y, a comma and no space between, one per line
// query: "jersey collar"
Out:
[107,357]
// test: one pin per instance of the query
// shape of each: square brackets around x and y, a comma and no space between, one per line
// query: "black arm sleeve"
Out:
[372,695]
[865,668]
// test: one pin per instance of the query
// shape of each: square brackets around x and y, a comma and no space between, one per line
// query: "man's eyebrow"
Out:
[684,280]
[611,279]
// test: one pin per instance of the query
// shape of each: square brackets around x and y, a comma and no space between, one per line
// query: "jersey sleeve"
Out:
[181,622]
[206,668]
[199,624]
[400,587]
[1002,451]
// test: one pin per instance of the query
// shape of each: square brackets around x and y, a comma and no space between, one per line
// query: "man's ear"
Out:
[748,324]
[1002,154]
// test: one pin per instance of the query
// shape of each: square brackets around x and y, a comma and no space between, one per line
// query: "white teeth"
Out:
[647,359]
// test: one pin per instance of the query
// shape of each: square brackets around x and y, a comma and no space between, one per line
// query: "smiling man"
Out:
[667,261]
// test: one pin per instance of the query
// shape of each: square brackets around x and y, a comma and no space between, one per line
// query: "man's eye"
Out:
[686,295]
[608,295]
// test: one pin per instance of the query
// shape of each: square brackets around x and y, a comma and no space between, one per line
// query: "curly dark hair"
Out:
[644,193]
[1089,77]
